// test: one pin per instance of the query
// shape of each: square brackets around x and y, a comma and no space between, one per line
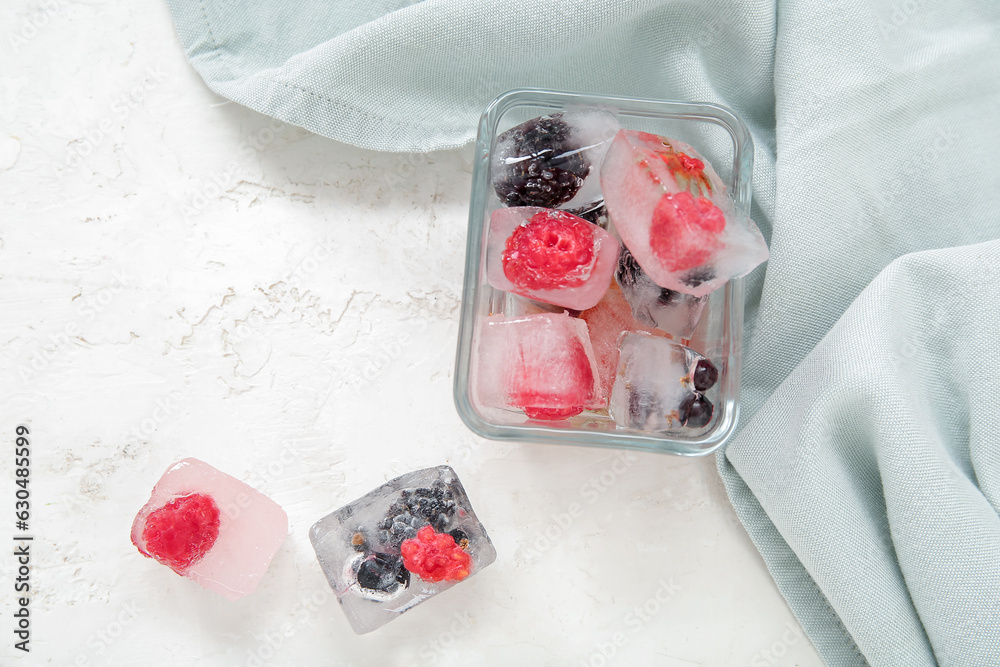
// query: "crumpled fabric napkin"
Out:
[867,467]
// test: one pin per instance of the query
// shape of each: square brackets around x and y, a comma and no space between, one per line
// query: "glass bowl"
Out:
[724,141]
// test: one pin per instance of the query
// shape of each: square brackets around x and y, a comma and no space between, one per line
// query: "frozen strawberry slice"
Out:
[553,249]
[182,531]
[435,556]
[685,231]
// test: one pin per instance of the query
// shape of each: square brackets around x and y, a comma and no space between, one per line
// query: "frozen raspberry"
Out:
[553,249]
[182,531]
[435,556]
[685,231]
[528,390]
[537,164]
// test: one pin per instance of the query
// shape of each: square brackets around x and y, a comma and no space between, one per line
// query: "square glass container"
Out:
[725,142]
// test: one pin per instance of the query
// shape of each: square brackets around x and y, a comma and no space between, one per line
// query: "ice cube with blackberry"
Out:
[399,545]
[553,161]
[661,385]
[674,312]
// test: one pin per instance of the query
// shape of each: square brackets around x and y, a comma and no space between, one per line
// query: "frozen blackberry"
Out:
[630,274]
[416,508]
[696,277]
[537,164]
[384,573]
[596,213]
[695,411]
[705,375]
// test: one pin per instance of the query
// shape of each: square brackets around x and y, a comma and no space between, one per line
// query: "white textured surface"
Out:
[182,277]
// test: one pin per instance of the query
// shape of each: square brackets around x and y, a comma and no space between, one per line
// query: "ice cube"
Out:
[674,312]
[606,322]
[397,546]
[549,256]
[553,161]
[210,527]
[660,385]
[673,213]
[541,364]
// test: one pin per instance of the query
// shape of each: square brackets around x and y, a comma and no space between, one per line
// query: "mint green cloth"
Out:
[867,468]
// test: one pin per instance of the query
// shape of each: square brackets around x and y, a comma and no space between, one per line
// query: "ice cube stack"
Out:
[607,243]
[399,545]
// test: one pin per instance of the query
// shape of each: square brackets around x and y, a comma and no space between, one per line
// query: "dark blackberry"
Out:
[705,375]
[384,573]
[537,164]
[695,411]
[696,277]
[415,509]
[628,272]
[596,213]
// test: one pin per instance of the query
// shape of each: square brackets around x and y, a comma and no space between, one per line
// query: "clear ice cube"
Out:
[660,385]
[674,312]
[229,546]
[574,286]
[374,553]
[542,364]
[553,161]
[606,322]
[673,213]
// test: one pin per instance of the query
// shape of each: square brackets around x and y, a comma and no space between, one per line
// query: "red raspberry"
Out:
[434,556]
[685,231]
[553,249]
[528,389]
[182,531]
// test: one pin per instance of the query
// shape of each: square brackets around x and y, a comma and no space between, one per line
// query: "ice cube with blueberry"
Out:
[674,312]
[672,211]
[210,527]
[543,365]
[661,385]
[399,545]
[553,161]
[550,256]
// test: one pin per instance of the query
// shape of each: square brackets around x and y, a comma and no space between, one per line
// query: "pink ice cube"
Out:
[673,213]
[555,257]
[542,364]
[210,527]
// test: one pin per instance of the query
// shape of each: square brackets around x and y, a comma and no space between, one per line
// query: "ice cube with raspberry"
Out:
[553,161]
[210,527]
[672,211]
[400,544]
[674,312]
[542,365]
[661,385]
[551,256]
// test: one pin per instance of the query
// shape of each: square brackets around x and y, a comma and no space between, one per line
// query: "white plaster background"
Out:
[180,276]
